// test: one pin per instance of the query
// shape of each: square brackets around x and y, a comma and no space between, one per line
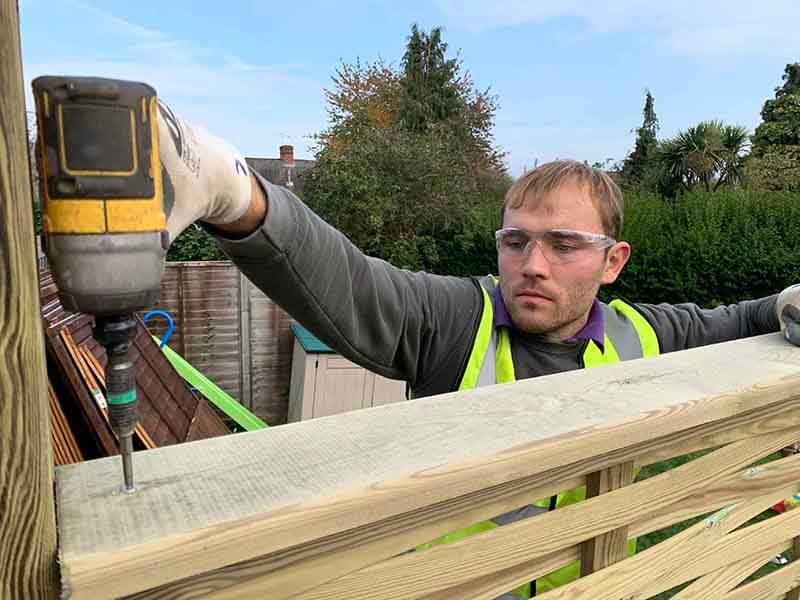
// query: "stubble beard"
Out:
[558,320]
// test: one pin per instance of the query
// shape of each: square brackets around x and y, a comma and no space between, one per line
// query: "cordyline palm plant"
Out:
[710,155]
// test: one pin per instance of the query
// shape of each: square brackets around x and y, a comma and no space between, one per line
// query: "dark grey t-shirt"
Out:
[420,327]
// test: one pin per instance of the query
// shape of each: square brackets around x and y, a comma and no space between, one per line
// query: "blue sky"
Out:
[570,75]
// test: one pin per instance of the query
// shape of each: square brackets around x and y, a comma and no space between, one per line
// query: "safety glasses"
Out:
[559,246]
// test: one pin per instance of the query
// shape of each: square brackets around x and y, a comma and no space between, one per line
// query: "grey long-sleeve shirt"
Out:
[420,327]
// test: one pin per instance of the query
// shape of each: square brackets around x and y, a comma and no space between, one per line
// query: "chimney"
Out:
[287,155]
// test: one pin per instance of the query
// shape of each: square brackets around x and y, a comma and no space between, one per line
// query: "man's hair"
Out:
[535,185]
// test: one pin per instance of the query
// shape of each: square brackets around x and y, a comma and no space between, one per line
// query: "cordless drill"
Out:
[104,224]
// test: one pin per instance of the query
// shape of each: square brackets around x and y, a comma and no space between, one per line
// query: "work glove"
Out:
[209,178]
[788,309]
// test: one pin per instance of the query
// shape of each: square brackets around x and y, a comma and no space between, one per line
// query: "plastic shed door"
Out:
[324,383]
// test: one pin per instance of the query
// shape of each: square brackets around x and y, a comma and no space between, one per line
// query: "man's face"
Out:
[555,299]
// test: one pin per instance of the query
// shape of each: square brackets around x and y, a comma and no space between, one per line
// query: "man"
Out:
[559,242]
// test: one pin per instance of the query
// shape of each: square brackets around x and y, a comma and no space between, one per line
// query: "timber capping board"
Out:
[210,504]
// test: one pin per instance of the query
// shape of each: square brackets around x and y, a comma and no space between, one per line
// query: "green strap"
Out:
[647,335]
[480,347]
[238,413]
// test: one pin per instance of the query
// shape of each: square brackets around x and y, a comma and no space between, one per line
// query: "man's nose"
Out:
[536,263]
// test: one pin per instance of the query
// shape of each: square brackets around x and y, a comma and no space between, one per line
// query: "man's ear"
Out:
[616,258]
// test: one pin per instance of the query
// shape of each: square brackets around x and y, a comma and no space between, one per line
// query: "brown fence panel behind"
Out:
[270,356]
[231,332]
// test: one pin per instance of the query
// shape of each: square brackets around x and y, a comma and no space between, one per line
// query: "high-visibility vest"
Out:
[627,336]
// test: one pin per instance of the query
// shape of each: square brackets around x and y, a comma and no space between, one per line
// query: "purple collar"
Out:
[593,330]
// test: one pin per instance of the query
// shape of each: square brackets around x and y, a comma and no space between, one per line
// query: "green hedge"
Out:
[195,244]
[705,248]
[710,248]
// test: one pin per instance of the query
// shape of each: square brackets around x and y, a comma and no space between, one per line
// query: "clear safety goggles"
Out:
[559,246]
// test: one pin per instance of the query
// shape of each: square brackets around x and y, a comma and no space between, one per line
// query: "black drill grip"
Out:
[115,334]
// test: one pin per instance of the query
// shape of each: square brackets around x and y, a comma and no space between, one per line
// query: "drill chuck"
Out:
[115,333]
[121,386]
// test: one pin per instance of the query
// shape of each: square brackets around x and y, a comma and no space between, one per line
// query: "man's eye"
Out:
[564,248]
[515,244]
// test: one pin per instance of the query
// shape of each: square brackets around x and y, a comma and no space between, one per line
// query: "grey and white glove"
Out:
[209,177]
[788,309]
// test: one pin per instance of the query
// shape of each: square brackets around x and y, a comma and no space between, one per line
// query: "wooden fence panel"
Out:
[327,507]
[230,331]
[270,348]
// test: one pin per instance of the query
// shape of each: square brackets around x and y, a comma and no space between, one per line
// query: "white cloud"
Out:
[684,26]
[255,106]
[113,23]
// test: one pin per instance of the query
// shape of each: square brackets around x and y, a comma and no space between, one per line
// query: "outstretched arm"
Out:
[683,326]
[416,327]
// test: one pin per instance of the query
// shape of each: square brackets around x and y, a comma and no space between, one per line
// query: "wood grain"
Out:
[717,583]
[27,520]
[279,579]
[442,567]
[693,552]
[240,512]
[794,593]
[64,443]
[736,488]
[607,548]
[747,484]
[770,587]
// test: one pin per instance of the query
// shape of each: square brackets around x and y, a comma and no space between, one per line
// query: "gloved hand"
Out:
[788,309]
[210,179]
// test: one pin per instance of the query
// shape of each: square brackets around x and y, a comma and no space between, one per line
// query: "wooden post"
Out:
[246,341]
[794,593]
[608,548]
[27,519]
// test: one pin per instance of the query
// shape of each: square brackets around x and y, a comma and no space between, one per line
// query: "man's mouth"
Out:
[532,294]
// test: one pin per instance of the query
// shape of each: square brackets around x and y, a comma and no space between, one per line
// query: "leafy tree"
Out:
[775,162]
[36,199]
[776,169]
[639,164]
[781,115]
[407,168]
[195,244]
[708,155]
[430,81]
[363,96]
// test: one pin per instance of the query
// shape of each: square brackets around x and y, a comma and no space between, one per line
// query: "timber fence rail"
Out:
[327,508]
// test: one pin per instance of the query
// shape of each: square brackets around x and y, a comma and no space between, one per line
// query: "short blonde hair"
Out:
[535,185]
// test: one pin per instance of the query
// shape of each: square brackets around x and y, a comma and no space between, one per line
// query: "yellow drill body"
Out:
[104,216]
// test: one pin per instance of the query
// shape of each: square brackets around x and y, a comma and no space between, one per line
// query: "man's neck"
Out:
[569,332]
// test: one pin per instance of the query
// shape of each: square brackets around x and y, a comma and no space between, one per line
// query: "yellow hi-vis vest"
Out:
[627,335]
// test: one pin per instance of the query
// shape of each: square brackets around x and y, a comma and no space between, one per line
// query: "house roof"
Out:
[278,171]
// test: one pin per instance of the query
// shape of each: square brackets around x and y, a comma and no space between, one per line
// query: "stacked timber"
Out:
[169,413]
[65,446]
